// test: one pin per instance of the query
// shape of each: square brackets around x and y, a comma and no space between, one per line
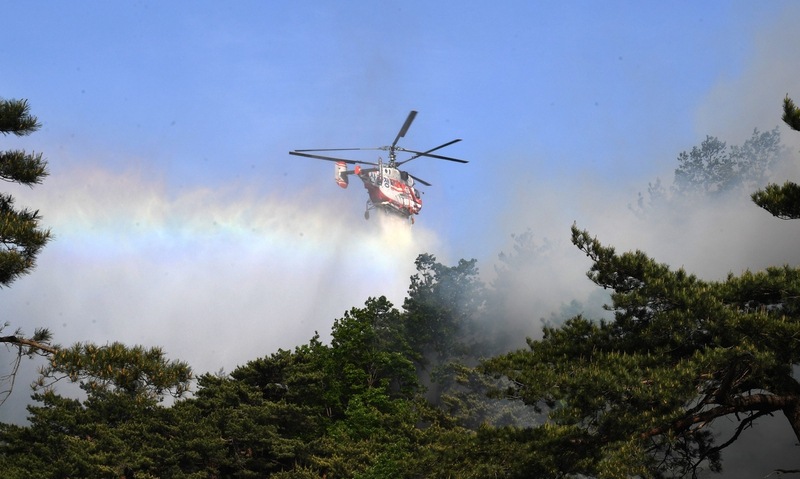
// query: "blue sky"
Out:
[181,220]
[212,93]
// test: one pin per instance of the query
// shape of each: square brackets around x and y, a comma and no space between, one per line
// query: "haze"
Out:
[181,221]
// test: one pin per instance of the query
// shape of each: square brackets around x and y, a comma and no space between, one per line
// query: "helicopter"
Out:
[390,189]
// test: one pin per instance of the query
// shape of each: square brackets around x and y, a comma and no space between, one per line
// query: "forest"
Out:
[427,388]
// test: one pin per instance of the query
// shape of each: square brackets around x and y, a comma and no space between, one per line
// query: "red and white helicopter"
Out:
[389,188]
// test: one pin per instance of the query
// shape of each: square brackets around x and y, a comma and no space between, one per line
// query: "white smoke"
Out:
[216,277]
[707,239]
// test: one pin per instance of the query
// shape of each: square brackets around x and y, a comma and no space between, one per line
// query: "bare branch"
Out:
[33,347]
[18,341]
[746,422]
[11,378]
[761,403]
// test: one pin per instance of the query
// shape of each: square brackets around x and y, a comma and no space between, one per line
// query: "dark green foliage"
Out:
[441,307]
[22,238]
[237,432]
[118,430]
[637,393]
[23,168]
[442,324]
[791,114]
[369,350]
[349,409]
[15,118]
[396,393]
[782,201]
[297,377]
[626,397]
[135,371]
[20,234]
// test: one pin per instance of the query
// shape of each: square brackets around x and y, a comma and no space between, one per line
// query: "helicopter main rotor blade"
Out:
[330,158]
[340,149]
[420,180]
[405,127]
[417,154]
[441,157]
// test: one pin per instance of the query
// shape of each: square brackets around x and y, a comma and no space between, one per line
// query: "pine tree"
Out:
[118,429]
[21,236]
[637,396]
[783,201]
[20,232]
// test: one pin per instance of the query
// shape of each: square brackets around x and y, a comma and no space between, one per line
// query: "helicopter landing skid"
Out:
[388,210]
[370,206]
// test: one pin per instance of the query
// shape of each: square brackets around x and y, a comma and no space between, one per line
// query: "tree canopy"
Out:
[21,235]
[427,391]
[782,201]
[640,393]
[713,170]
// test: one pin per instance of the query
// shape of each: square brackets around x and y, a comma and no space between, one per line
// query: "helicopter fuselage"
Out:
[393,191]
[389,189]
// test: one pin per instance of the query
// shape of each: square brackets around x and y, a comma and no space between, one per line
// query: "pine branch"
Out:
[17,166]
[791,114]
[30,343]
[15,118]
[37,344]
[11,378]
[746,422]
[756,403]
[782,201]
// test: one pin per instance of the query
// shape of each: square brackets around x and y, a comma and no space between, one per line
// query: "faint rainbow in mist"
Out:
[98,215]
